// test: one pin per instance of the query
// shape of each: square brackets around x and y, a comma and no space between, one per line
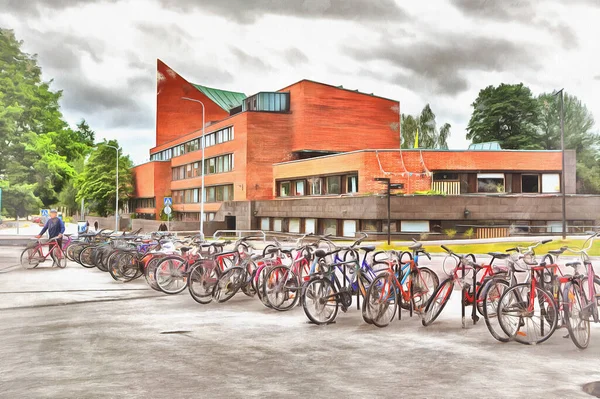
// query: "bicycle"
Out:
[34,254]
[581,296]
[527,312]
[407,284]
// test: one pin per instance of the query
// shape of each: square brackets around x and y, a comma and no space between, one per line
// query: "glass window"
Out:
[210,165]
[174,175]
[196,199]
[551,183]
[220,164]
[181,172]
[414,226]
[352,184]
[210,194]
[315,186]
[349,228]
[370,225]
[189,171]
[530,183]
[284,189]
[278,224]
[294,225]
[310,226]
[490,183]
[329,226]
[265,224]
[299,187]
[333,184]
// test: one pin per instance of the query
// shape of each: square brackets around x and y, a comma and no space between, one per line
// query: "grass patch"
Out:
[501,247]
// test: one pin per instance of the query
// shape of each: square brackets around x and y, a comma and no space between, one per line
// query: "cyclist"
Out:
[55,228]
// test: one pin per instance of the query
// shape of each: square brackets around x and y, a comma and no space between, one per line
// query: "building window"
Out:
[490,182]
[315,186]
[445,176]
[196,198]
[310,226]
[265,224]
[414,226]
[294,225]
[299,187]
[370,225]
[284,189]
[219,193]
[530,183]
[196,169]
[333,184]
[181,172]
[329,226]
[551,183]
[352,184]
[278,224]
[349,228]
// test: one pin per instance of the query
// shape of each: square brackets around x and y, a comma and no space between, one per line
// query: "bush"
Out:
[450,233]
[423,236]
[470,233]
[430,192]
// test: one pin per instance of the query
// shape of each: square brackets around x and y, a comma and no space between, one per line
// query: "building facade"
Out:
[305,158]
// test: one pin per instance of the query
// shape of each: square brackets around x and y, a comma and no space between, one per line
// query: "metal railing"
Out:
[238,233]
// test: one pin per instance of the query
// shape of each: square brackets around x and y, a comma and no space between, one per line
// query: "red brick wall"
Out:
[417,164]
[176,117]
[328,118]
[143,176]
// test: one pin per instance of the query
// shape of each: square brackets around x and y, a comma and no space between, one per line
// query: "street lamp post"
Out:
[203,143]
[562,173]
[117,189]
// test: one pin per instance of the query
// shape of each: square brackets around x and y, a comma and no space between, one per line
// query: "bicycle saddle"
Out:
[557,251]
[367,248]
[320,253]
[415,246]
[573,264]
[499,255]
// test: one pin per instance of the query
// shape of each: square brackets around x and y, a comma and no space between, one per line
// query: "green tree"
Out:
[508,114]
[429,136]
[96,185]
[579,136]
[19,200]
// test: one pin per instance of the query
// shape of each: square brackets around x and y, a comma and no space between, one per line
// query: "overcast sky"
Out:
[102,54]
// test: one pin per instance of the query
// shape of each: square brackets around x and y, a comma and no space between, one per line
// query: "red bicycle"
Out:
[38,252]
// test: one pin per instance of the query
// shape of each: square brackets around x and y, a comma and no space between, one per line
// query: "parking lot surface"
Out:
[77,333]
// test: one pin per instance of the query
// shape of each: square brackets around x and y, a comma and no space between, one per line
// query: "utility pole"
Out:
[562,173]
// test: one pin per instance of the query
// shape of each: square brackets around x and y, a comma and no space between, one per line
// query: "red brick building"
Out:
[272,157]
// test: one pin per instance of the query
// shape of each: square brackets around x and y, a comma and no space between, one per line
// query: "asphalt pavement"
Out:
[76,333]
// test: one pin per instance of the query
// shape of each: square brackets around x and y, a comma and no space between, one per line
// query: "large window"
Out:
[272,102]
[299,187]
[530,183]
[490,183]
[265,224]
[414,226]
[551,183]
[219,193]
[144,203]
[333,184]
[349,228]
[294,225]
[310,226]
[315,186]
[329,226]
[352,184]
[284,189]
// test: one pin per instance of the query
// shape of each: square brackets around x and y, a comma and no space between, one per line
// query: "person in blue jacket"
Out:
[55,228]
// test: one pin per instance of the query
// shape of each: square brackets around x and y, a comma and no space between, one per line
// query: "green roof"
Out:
[223,98]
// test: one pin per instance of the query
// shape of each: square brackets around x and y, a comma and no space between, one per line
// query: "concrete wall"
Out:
[508,207]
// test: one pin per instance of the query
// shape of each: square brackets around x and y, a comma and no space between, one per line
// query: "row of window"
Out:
[211,194]
[143,203]
[220,164]
[328,185]
[498,182]
[194,216]
[208,140]
[265,101]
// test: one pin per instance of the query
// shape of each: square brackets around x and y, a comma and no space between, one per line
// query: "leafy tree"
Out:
[508,114]
[96,185]
[18,199]
[429,136]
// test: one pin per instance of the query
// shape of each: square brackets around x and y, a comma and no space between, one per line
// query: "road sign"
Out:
[167,210]
[45,212]
[168,201]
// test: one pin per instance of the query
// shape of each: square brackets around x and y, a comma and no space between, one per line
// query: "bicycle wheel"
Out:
[438,301]
[281,288]
[150,270]
[30,258]
[319,302]
[491,293]
[58,256]
[423,282]
[526,316]
[202,280]
[381,301]
[576,317]
[76,251]
[170,275]
[85,257]
[229,284]
[258,282]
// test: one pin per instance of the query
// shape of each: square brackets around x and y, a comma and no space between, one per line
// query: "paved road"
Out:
[80,340]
